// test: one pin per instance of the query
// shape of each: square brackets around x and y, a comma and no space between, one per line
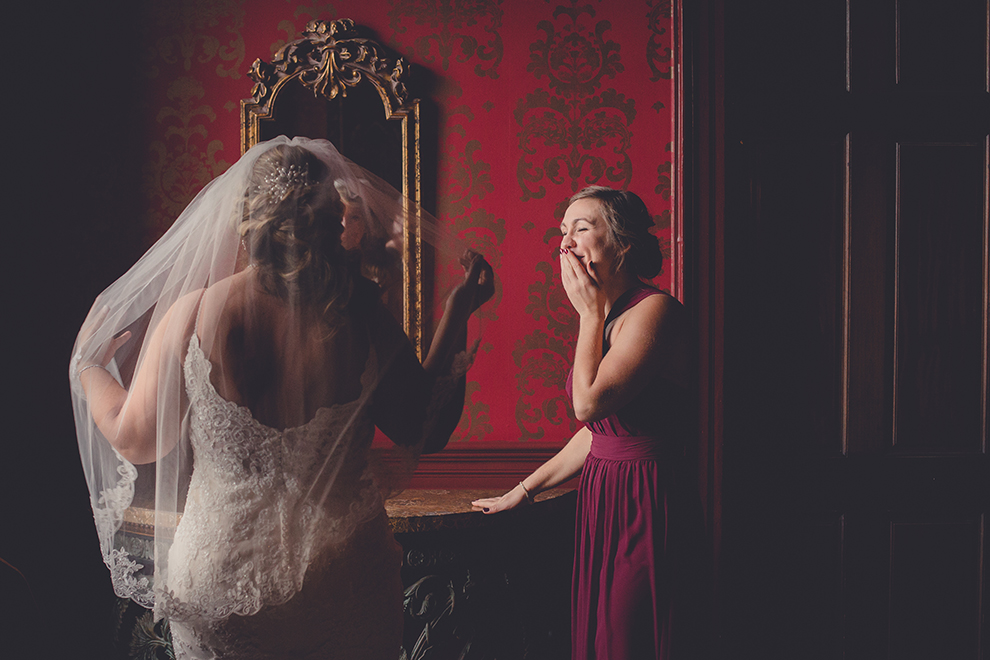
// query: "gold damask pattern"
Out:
[463,37]
[464,183]
[195,44]
[571,132]
[659,56]
[464,30]
[572,122]
[475,422]
[190,34]
[543,358]
[186,160]
[542,371]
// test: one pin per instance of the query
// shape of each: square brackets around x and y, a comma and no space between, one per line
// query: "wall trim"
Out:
[481,464]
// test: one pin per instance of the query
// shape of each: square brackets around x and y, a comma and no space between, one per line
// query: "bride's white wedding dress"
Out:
[283,549]
[256,569]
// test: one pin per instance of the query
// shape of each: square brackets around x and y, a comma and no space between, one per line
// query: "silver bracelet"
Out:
[529,496]
[90,366]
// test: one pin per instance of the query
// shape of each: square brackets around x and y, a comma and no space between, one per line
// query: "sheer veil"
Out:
[250,353]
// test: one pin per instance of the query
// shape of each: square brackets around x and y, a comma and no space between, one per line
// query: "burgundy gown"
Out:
[627,517]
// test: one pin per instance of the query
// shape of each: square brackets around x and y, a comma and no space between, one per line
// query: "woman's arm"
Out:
[407,388]
[128,418]
[403,393]
[648,340]
[564,465]
[476,289]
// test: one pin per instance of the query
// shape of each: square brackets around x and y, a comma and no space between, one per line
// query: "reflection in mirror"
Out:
[337,84]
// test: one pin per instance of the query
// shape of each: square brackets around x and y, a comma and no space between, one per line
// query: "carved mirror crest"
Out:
[336,84]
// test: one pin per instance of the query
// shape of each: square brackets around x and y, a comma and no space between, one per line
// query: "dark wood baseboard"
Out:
[481,465]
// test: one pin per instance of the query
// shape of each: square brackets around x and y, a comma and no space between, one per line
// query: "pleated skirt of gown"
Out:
[623,587]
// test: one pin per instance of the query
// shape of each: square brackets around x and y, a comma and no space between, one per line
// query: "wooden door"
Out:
[855,470]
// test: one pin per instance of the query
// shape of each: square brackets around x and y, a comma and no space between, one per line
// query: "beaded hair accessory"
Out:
[278,183]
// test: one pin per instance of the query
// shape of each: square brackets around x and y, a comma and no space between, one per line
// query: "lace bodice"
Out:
[262,502]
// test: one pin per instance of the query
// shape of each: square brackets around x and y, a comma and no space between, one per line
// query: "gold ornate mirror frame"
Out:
[331,59]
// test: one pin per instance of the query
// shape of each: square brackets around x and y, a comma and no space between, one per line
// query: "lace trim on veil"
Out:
[124,568]
[108,512]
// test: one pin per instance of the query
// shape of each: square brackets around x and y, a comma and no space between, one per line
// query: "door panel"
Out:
[939,46]
[855,469]
[939,317]
[934,578]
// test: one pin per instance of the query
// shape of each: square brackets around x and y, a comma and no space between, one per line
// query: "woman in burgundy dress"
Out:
[629,385]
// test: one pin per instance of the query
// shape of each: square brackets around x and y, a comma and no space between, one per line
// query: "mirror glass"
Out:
[356,125]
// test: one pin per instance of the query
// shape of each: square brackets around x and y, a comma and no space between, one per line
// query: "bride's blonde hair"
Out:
[291,227]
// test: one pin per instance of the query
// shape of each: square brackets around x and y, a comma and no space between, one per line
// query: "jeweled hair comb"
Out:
[277,184]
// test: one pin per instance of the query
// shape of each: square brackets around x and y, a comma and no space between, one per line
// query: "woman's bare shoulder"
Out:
[655,311]
[669,308]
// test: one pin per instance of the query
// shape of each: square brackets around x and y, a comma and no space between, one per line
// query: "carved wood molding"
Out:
[331,57]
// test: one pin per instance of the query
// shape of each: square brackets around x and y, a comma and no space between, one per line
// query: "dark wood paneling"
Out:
[870,264]
[830,228]
[703,211]
[822,601]
[798,214]
[942,45]
[939,318]
[867,554]
[935,587]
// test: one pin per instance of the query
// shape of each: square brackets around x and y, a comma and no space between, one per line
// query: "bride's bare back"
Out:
[283,363]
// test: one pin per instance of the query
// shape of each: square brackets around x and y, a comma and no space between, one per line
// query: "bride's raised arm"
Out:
[414,399]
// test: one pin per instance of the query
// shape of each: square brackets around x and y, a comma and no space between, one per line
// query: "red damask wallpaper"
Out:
[536,99]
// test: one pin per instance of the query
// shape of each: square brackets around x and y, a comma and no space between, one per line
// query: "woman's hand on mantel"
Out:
[514,498]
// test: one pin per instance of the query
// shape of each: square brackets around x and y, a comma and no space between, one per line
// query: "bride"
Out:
[229,385]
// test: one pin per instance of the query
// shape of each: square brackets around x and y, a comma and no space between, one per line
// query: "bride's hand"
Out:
[514,498]
[103,354]
[478,286]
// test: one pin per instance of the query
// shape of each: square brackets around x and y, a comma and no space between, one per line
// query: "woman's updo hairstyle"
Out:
[291,227]
[629,223]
